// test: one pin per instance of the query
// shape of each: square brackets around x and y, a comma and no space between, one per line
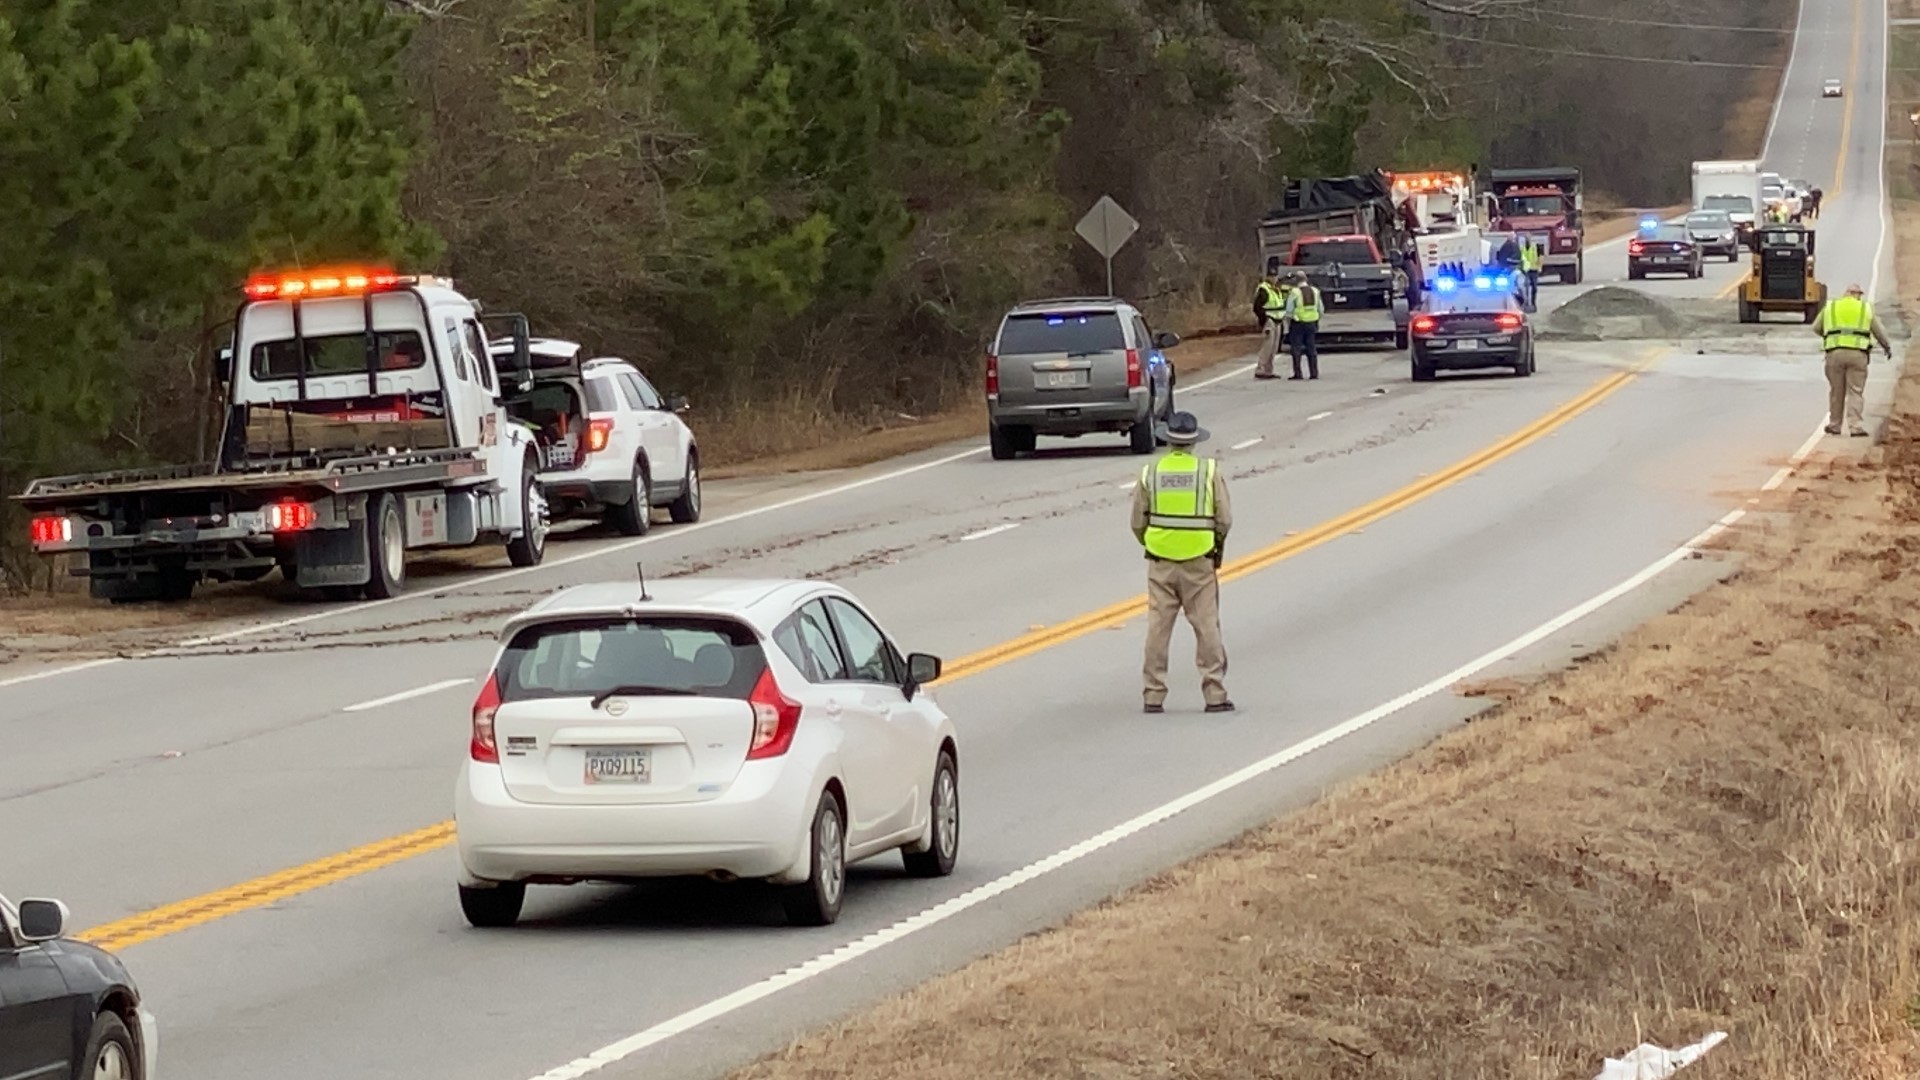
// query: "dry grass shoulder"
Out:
[1711,826]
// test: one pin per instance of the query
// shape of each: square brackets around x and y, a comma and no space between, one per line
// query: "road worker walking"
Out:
[1848,328]
[1181,514]
[1530,266]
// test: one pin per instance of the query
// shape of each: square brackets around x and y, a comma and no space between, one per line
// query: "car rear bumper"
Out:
[576,486]
[757,830]
[1045,415]
[1649,266]
[1450,357]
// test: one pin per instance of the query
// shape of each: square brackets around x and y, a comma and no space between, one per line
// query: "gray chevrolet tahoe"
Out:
[1075,365]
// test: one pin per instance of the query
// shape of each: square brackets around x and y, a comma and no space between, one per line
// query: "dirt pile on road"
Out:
[1612,313]
[1712,826]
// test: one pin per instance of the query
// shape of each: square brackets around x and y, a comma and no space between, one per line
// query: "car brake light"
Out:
[1424,324]
[50,530]
[1508,320]
[1134,374]
[776,717]
[598,432]
[993,375]
[482,747]
[290,517]
[1636,248]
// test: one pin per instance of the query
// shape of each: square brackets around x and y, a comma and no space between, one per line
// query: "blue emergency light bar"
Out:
[1481,283]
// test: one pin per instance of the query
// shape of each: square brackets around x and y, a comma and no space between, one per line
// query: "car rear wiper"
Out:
[640,690]
[1089,352]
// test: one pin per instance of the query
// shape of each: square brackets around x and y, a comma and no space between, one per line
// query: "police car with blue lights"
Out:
[1472,322]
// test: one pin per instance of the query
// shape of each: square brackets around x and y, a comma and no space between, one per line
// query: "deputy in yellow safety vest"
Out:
[1181,515]
[1530,258]
[1303,324]
[1848,328]
[1269,308]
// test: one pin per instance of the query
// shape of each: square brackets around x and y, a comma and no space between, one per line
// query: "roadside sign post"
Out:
[1107,228]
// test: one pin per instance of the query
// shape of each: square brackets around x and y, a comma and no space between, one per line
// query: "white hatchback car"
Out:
[623,438]
[722,728]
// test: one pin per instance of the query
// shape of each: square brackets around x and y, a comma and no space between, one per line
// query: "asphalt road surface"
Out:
[261,829]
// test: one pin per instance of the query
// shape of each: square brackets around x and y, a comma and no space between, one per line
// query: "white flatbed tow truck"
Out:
[363,421]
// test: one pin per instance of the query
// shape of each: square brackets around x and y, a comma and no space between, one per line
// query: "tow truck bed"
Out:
[342,476]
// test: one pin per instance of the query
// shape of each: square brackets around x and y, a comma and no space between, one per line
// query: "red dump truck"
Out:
[1546,204]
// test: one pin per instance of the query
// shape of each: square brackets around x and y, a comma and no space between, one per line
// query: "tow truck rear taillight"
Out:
[1134,375]
[598,432]
[290,516]
[51,530]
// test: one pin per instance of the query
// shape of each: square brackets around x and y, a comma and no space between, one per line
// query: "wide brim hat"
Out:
[1167,435]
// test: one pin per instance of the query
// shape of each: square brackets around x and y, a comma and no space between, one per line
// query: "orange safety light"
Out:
[337,282]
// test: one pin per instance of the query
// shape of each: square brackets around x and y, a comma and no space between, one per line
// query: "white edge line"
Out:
[853,950]
[1320,415]
[1244,443]
[990,532]
[418,691]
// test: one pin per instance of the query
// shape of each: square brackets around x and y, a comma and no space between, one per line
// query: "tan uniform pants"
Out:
[1269,346]
[1192,587]
[1846,387]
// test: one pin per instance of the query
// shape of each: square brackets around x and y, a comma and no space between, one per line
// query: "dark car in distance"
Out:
[1664,249]
[68,1010]
[1471,325]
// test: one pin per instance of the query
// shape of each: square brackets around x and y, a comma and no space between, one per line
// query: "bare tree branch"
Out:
[428,9]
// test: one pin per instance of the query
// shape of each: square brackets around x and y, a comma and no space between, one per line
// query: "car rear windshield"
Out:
[1324,252]
[338,354]
[1062,332]
[1471,300]
[1708,221]
[704,655]
[1670,233]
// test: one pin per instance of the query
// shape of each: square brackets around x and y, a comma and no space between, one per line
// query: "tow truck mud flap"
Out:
[323,557]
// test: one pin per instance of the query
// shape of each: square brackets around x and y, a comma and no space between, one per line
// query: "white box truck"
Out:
[1732,186]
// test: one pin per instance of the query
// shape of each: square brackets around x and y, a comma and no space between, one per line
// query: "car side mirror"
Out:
[1165,339]
[42,920]
[922,669]
[678,403]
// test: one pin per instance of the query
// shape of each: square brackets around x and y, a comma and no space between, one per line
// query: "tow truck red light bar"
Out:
[344,282]
[1427,181]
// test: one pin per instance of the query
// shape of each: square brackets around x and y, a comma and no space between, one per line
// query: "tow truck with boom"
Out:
[362,420]
[1546,204]
[1346,234]
[1439,208]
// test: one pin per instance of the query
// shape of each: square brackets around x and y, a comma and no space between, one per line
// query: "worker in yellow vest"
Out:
[1181,514]
[1530,266]
[1269,308]
[1848,328]
[1304,309]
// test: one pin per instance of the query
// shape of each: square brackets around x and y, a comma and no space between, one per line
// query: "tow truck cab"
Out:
[1546,204]
[363,418]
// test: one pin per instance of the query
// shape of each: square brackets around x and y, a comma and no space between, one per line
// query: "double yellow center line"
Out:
[187,914]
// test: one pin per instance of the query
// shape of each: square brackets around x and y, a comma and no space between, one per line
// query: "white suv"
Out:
[722,728]
[624,437]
